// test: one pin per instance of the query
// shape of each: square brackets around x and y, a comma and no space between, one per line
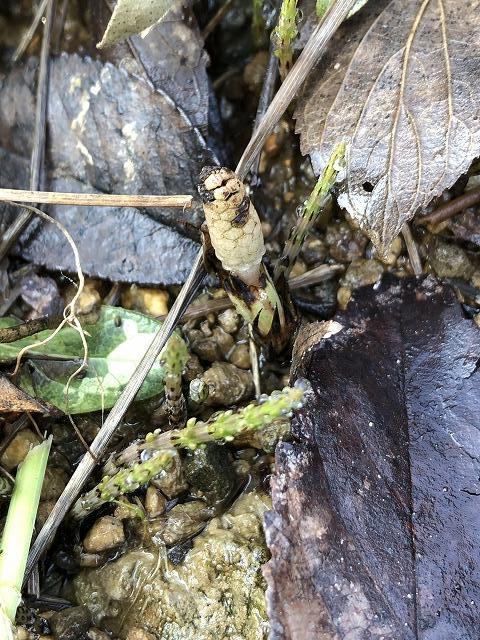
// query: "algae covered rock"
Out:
[218,591]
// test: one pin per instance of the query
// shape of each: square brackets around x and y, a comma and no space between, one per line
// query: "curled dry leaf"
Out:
[133,16]
[407,106]
[375,531]
[13,399]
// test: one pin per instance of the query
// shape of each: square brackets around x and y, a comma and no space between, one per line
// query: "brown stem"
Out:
[452,208]
[29,328]
[94,199]
[217,18]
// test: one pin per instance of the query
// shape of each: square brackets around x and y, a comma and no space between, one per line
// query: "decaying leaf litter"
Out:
[223,489]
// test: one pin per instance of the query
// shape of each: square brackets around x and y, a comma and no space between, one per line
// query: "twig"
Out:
[113,296]
[254,362]
[217,18]
[452,208]
[412,250]
[28,35]
[312,51]
[266,96]
[95,199]
[28,328]
[315,46]
[38,149]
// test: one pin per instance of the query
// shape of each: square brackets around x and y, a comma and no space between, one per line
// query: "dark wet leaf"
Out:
[108,132]
[407,107]
[116,343]
[13,399]
[375,531]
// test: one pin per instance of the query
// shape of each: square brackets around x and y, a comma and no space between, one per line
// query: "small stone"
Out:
[240,356]
[155,502]
[193,368]
[206,349]
[96,634]
[18,448]
[171,481]
[54,483]
[22,634]
[394,251]
[89,299]
[106,533]
[344,295]
[224,340]
[181,522]
[71,623]
[139,634]
[298,269]
[314,252]
[227,384]
[229,320]
[362,273]
[450,261]
[150,301]
[476,279]
[477,320]
[344,243]
[210,473]
[43,511]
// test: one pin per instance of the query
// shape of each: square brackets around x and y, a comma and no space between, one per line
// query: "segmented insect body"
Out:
[233,223]
[233,228]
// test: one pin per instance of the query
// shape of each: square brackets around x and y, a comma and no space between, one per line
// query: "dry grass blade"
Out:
[309,56]
[95,199]
[27,37]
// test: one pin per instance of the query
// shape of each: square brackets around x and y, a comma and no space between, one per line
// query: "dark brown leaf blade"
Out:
[409,110]
[108,132]
[375,531]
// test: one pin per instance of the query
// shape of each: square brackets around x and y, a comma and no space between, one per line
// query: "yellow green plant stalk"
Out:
[155,454]
[284,34]
[309,213]
[18,530]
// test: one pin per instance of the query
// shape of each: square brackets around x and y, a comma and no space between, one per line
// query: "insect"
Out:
[234,249]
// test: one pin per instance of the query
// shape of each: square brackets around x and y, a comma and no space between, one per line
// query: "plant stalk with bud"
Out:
[155,454]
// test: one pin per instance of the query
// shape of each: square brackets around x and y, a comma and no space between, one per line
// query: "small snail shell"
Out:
[233,223]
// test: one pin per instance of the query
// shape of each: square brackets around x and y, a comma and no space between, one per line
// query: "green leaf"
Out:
[133,16]
[116,344]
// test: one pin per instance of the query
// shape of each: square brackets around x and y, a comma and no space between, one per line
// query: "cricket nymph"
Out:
[233,223]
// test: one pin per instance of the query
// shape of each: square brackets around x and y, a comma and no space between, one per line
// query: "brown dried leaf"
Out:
[13,399]
[408,107]
[375,531]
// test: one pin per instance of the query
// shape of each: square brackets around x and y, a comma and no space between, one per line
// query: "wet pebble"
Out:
[96,634]
[360,273]
[155,502]
[206,348]
[314,252]
[106,533]
[229,320]
[181,522]
[171,481]
[209,472]
[18,448]
[153,302]
[71,624]
[450,261]
[344,243]
[240,356]
[224,340]
[227,384]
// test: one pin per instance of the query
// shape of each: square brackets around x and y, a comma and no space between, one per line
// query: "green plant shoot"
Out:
[18,530]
